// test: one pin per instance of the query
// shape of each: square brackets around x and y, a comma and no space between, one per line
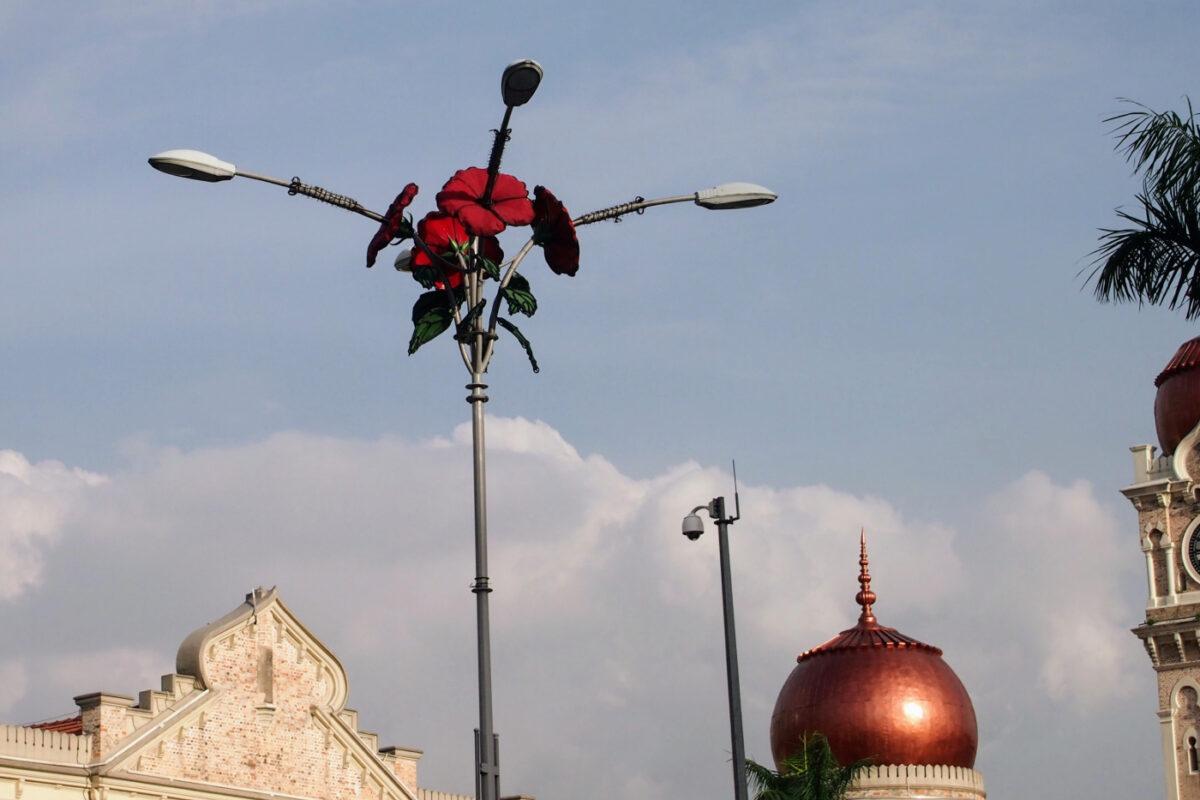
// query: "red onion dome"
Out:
[1177,404]
[876,693]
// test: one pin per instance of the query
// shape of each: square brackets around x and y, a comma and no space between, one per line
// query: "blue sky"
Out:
[203,389]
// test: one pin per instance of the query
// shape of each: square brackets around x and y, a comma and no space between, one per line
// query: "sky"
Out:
[203,390]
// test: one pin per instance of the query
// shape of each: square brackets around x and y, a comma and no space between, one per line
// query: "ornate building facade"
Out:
[1166,493]
[255,710]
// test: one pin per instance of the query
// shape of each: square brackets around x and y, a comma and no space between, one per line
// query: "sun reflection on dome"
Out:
[914,711]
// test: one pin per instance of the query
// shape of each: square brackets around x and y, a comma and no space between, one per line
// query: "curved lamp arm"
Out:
[718,198]
[199,166]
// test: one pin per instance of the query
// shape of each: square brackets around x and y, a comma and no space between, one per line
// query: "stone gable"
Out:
[262,731]
[276,721]
[256,708]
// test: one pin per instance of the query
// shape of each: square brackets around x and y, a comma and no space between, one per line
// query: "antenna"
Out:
[737,503]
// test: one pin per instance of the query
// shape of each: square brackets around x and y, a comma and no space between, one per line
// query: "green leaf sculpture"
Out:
[431,315]
[520,299]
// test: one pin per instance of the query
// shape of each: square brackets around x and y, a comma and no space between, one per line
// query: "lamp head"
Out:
[404,260]
[735,195]
[693,526]
[193,164]
[519,81]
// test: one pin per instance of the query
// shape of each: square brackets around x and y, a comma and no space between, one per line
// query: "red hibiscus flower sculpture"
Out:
[553,230]
[443,234]
[462,196]
[394,224]
[456,254]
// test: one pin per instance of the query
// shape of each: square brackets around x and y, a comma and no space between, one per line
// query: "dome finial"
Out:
[865,596]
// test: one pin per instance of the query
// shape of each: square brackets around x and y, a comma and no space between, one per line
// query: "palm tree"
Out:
[812,773]
[1157,260]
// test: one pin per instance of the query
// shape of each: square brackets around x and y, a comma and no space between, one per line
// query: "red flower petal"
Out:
[510,201]
[454,277]
[555,232]
[462,196]
[419,259]
[440,232]
[480,220]
[563,259]
[464,189]
[392,221]
[489,248]
[514,211]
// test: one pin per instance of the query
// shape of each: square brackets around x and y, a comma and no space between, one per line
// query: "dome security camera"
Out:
[693,526]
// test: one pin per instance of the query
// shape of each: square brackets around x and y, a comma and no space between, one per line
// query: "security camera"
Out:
[693,526]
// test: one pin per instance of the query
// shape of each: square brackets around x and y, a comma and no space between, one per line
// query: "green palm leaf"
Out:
[1163,144]
[1157,259]
[812,773]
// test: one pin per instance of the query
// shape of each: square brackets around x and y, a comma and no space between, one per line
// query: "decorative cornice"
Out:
[135,784]
[963,781]
[1156,494]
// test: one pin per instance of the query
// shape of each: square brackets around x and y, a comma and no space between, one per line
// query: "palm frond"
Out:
[1165,145]
[1157,261]
[811,773]
[763,781]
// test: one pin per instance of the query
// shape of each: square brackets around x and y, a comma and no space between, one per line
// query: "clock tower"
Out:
[1166,494]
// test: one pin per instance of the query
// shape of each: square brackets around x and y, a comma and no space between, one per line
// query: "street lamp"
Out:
[475,332]
[693,526]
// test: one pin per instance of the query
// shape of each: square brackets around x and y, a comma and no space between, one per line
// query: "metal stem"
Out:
[493,167]
[487,781]
[513,265]
[731,659]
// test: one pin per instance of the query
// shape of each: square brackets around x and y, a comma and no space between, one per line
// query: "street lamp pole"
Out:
[517,85]
[487,744]
[693,526]
[476,340]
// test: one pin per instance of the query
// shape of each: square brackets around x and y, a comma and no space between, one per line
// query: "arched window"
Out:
[1187,717]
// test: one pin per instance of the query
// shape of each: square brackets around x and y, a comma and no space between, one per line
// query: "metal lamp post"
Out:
[476,343]
[693,526]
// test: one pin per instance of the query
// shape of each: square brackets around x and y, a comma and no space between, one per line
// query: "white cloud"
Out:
[1057,569]
[35,503]
[607,623]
